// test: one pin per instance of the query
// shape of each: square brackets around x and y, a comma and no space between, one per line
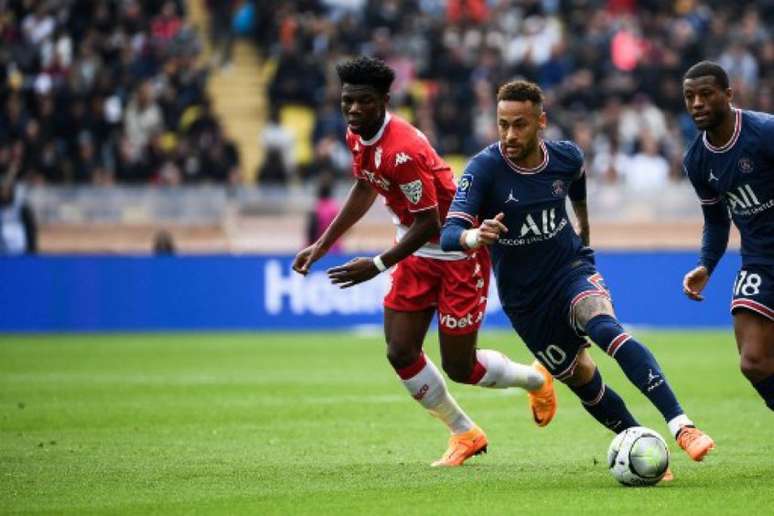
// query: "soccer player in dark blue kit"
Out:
[731,167]
[547,281]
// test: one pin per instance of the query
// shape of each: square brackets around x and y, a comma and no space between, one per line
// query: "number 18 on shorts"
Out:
[754,290]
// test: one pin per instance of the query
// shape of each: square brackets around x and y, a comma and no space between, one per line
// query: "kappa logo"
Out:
[401,158]
[412,191]
[745,165]
[378,157]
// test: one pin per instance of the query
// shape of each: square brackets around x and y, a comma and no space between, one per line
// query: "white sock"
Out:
[426,385]
[502,372]
[677,422]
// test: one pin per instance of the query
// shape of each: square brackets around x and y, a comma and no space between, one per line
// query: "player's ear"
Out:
[729,93]
[543,120]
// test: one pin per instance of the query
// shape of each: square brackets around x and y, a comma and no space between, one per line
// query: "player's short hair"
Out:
[367,71]
[521,91]
[708,68]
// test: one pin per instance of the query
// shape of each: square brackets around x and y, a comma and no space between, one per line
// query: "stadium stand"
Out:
[122,100]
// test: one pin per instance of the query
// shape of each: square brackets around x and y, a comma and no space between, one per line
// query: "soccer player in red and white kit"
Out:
[394,159]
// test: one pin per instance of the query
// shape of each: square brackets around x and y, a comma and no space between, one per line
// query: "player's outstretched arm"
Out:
[361,197]
[425,226]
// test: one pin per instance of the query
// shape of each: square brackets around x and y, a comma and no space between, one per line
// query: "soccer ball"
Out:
[638,456]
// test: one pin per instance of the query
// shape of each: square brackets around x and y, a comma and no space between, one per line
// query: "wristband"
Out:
[471,238]
[379,263]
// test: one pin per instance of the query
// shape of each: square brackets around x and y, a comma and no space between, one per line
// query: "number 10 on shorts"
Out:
[552,356]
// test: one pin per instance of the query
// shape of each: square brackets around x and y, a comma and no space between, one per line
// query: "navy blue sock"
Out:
[637,362]
[604,404]
[766,389]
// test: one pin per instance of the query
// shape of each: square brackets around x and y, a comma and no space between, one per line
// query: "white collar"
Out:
[379,133]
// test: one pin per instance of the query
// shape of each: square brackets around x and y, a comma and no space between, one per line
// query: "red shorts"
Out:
[457,288]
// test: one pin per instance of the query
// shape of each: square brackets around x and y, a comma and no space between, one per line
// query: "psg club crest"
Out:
[412,191]
[745,165]
[558,188]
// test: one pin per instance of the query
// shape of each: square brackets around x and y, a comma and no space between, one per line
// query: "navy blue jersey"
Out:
[740,177]
[541,243]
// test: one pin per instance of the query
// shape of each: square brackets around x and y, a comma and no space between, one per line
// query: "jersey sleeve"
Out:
[414,178]
[716,222]
[465,207]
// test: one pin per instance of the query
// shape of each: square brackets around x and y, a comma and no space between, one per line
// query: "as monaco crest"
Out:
[412,191]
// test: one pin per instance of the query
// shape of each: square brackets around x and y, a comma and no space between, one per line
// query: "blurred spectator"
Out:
[163,243]
[325,210]
[279,164]
[18,230]
[647,169]
[616,66]
[92,89]
[221,35]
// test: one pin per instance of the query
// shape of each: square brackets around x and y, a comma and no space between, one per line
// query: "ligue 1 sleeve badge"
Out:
[745,165]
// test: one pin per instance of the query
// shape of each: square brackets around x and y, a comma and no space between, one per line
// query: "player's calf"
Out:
[602,402]
[636,361]
[464,363]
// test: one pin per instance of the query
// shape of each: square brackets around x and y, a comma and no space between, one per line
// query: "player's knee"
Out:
[583,372]
[754,366]
[401,357]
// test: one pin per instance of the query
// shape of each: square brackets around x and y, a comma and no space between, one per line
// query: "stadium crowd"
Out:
[111,91]
[97,92]
[611,69]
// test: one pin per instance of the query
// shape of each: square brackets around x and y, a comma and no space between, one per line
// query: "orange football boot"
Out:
[696,443]
[543,401]
[462,447]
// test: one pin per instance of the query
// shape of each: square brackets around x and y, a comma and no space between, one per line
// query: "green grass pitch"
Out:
[317,423]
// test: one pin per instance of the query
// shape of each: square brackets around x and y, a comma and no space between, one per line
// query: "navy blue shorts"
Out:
[754,290]
[549,330]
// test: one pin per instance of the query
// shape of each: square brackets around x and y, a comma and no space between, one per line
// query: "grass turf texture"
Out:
[318,424]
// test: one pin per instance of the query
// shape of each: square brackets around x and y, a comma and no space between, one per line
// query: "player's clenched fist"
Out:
[486,234]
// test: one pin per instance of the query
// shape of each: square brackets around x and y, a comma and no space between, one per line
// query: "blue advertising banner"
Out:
[134,293]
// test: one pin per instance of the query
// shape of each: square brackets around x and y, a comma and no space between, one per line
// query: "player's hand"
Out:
[353,272]
[306,257]
[490,229]
[694,282]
